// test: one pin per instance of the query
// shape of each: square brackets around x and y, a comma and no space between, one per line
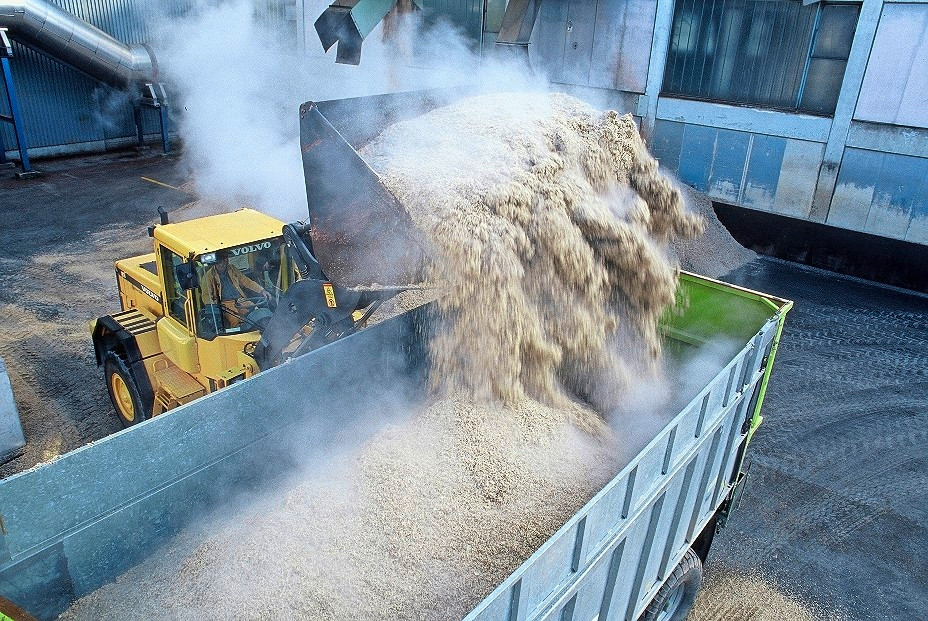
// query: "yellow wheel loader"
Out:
[224,297]
[220,298]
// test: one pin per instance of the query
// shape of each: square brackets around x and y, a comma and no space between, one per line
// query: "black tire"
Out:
[675,599]
[123,390]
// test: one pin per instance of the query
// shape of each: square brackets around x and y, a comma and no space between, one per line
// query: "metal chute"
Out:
[346,23]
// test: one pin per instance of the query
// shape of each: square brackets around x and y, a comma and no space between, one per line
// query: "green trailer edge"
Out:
[707,308]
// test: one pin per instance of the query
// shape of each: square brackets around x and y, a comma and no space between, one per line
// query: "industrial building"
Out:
[225,404]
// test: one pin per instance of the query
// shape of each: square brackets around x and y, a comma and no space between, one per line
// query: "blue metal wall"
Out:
[66,111]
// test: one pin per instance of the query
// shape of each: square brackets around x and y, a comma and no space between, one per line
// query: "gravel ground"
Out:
[60,235]
[836,508]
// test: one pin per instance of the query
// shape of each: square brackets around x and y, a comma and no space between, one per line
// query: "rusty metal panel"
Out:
[622,44]
[895,86]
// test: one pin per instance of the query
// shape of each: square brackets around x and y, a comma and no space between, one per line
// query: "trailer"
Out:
[69,526]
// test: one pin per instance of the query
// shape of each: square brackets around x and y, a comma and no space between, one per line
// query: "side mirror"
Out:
[187,276]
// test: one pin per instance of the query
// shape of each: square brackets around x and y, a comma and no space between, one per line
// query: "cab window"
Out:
[240,287]
[174,296]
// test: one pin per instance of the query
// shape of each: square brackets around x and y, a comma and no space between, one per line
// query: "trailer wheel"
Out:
[676,597]
[124,392]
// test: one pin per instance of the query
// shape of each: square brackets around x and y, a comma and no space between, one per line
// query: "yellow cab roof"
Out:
[211,233]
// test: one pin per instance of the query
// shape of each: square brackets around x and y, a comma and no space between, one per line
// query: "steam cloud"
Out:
[239,81]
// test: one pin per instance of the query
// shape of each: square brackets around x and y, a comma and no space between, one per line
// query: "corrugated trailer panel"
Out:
[76,523]
[613,555]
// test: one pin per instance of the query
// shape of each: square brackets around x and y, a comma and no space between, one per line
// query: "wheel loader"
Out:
[223,297]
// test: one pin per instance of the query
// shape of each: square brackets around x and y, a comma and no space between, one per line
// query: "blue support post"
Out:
[165,141]
[3,162]
[156,97]
[15,118]
[137,116]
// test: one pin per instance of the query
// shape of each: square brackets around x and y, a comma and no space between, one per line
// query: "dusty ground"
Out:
[836,508]
[60,235]
[834,522]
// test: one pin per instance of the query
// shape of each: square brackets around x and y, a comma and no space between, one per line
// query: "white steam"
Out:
[238,82]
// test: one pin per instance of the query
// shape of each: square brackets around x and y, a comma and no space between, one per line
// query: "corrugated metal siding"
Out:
[62,106]
[598,43]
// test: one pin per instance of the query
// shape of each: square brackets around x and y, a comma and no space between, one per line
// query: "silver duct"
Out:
[52,31]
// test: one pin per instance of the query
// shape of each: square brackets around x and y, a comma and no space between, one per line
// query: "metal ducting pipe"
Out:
[69,39]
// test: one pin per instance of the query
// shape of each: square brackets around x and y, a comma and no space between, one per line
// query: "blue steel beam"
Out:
[16,115]
[844,110]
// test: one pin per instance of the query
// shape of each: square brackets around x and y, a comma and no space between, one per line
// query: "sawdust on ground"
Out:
[715,252]
[762,600]
[45,340]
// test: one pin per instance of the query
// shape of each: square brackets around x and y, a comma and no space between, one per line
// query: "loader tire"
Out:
[677,595]
[124,391]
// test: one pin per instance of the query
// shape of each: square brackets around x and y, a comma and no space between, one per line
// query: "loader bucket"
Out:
[360,233]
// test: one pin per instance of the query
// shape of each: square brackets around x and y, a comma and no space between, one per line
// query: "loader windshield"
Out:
[240,287]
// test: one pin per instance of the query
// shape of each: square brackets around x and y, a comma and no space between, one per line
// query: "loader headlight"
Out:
[208,259]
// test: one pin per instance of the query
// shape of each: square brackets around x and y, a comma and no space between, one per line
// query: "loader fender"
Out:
[122,333]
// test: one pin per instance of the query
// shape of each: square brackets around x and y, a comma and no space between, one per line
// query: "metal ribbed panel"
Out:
[60,105]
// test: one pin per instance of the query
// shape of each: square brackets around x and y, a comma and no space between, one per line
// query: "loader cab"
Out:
[236,290]
[250,247]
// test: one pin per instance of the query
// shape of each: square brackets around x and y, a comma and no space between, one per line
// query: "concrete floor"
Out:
[836,511]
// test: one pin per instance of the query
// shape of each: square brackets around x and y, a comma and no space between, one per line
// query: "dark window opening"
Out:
[175,297]
[770,53]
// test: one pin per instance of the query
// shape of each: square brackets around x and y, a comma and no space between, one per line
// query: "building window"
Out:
[771,53]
